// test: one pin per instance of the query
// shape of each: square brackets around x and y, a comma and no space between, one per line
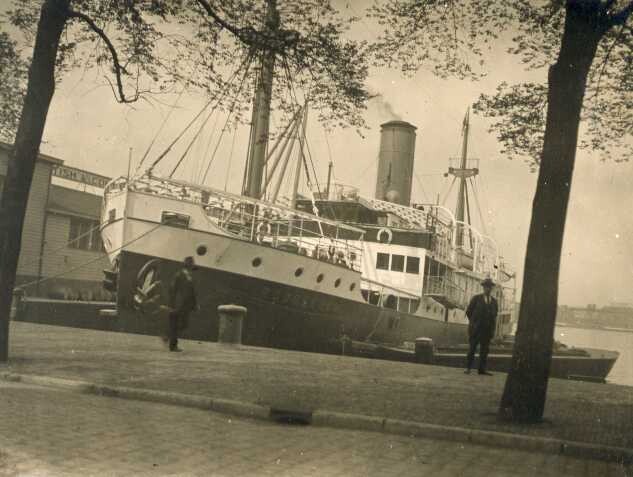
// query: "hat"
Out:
[487,282]
[189,261]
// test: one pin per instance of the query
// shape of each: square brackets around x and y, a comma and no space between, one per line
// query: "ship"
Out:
[323,269]
[316,271]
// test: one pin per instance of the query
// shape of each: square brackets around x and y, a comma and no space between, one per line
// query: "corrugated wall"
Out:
[34,221]
[59,258]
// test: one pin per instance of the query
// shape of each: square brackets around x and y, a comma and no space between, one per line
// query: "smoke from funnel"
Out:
[385,109]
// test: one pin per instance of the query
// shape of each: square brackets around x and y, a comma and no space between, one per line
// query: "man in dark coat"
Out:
[482,320]
[182,301]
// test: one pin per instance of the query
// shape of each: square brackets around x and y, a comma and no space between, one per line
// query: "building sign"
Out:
[83,177]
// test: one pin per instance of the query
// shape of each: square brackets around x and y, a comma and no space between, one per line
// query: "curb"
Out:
[356,422]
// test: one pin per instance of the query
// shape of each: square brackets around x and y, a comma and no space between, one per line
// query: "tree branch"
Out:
[616,40]
[238,32]
[622,16]
[119,69]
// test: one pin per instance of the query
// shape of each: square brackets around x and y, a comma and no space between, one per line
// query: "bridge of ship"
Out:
[473,259]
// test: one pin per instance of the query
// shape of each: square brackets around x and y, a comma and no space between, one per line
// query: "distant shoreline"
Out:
[589,327]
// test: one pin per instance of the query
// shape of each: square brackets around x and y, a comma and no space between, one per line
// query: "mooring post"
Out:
[231,322]
[424,351]
[16,303]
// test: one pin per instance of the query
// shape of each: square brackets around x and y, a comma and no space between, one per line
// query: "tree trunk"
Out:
[40,89]
[525,390]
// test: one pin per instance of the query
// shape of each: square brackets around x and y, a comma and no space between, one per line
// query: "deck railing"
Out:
[259,221]
[445,290]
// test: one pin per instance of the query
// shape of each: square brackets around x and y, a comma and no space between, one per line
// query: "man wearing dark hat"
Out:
[182,301]
[482,319]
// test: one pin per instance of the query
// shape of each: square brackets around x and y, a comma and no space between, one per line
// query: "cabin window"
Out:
[175,219]
[111,215]
[382,261]
[85,235]
[413,265]
[403,304]
[397,263]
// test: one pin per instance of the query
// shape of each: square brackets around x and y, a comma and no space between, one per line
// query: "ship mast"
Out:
[463,172]
[261,108]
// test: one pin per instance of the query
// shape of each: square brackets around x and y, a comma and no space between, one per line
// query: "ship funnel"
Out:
[395,166]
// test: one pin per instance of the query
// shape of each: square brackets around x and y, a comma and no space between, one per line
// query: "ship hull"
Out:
[589,365]
[279,315]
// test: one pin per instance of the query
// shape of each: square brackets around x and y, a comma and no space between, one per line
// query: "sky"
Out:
[87,129]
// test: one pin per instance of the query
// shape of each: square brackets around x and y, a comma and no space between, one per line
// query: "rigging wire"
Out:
[186,128]
[417,178]
[46,252]
[228,117]
[449,191]
[160,129]
[475,194]
[208,146]
[96,259]
[304,137]
[228,169]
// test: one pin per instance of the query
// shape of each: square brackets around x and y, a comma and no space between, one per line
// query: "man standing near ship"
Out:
[182,301]
[482,319]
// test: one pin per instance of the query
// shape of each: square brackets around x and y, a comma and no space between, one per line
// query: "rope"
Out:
[100,257]
[36,259]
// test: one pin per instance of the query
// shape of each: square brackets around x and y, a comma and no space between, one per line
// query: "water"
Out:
[622,372]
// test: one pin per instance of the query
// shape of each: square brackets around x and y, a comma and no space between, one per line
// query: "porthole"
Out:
[201,250]
[298,272]
[257,261]
[320,278]
[337,283]
[352,287]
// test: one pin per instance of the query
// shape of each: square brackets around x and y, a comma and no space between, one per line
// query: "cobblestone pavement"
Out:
[576,411]
[52,432]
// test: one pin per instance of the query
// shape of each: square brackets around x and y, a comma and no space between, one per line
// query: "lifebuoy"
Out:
[383,231]
[260,235]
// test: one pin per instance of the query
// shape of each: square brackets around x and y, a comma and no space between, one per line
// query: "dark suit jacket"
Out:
[182,293]
[482,316]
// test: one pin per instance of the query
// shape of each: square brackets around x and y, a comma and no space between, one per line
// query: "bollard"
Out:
[424,351]
[231,321]
[16,303]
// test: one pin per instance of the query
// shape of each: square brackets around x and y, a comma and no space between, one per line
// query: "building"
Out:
[608,317]
[61,251]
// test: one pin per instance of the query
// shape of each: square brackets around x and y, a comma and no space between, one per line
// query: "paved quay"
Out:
[51,432]
[581,412]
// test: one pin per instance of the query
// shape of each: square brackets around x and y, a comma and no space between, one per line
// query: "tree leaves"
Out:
[441,35]
[147,47]
[13,70]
